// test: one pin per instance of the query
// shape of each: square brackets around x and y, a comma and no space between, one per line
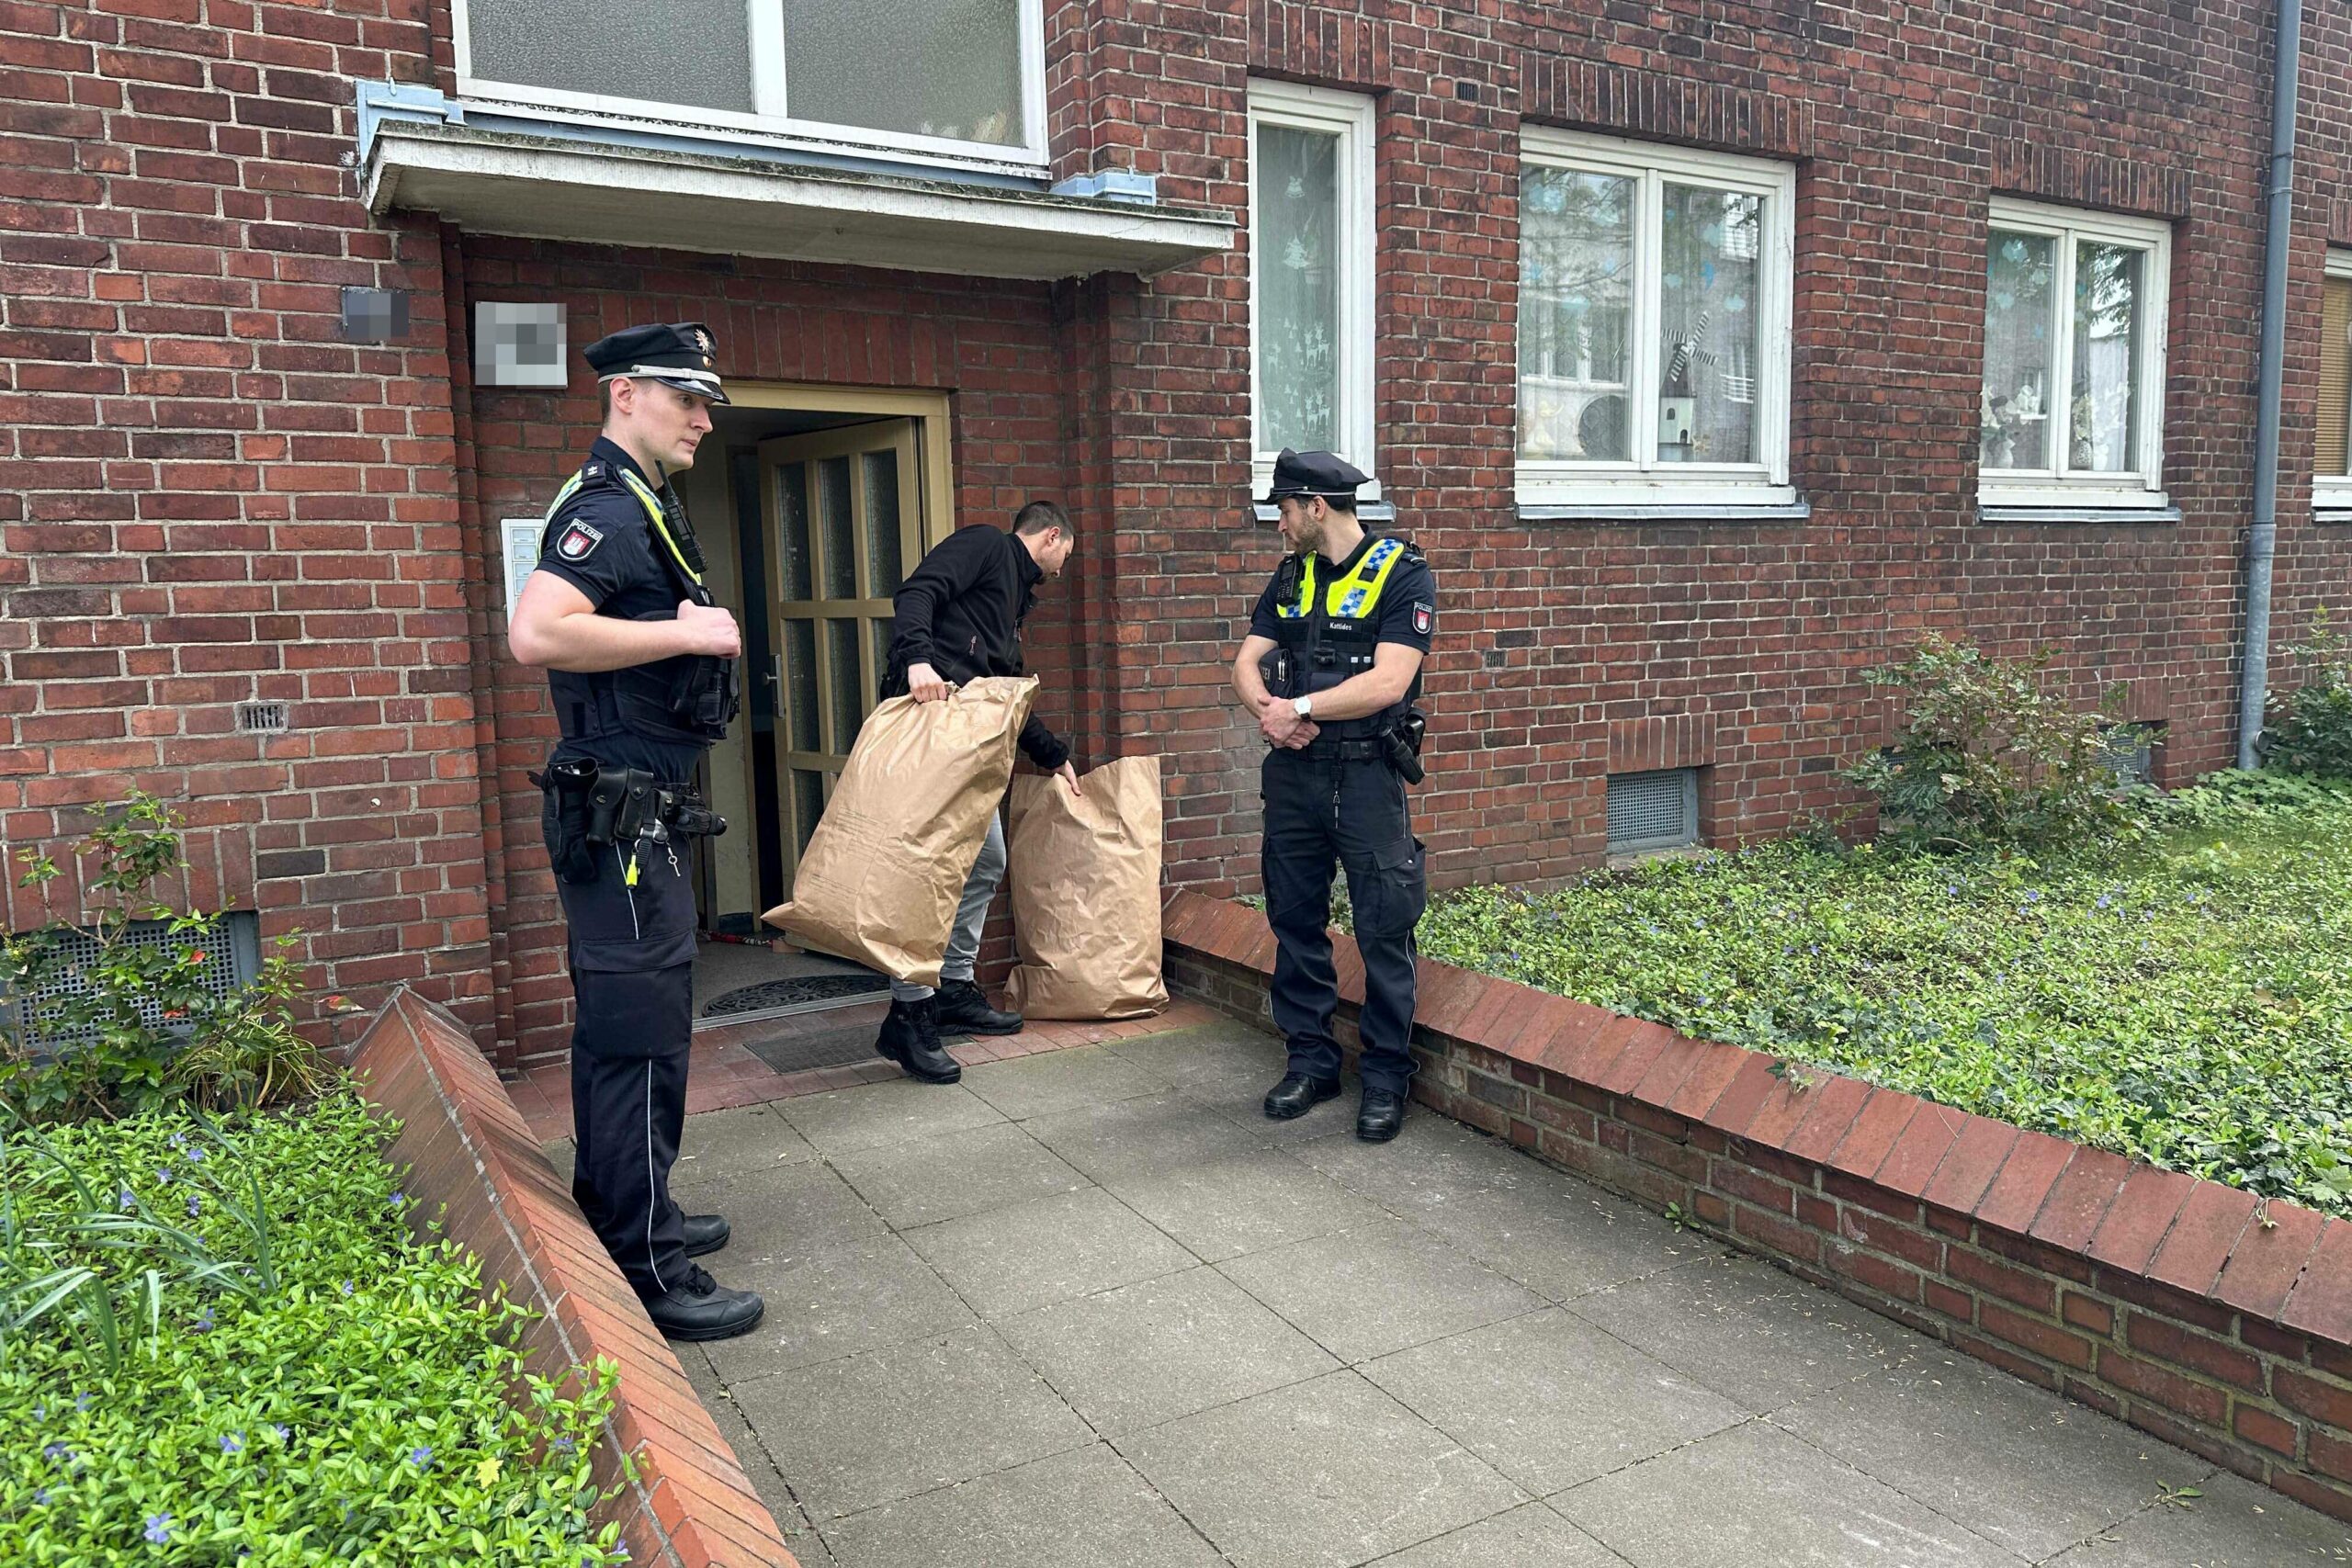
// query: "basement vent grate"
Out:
[265,718]
[231,946]
[1652,811]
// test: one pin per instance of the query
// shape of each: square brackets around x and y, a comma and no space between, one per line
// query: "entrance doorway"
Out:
[812,503]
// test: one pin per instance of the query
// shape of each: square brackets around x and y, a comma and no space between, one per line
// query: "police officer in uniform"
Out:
[1331,667]
[642,669]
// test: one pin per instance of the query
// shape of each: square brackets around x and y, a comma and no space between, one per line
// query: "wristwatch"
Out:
[1303,707]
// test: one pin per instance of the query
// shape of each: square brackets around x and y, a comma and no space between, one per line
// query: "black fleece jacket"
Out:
[960,612]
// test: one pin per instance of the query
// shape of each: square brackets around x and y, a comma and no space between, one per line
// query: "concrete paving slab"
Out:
[1564,1239]
[766,1480]
[1755,1495]
[1162,1348]
[780,1214]
[871,1428]
[832,1302]
[2018,1465]
[895,1111]
[1244,1203]
[1083,1509]
[1551,1401]
[1531,1537]
[1061,1080]
[956,1174]
[1220,1050]
[1748,1331]
[2233,1524]
[737,1143]
[1322,1474]
[1049,1249]
[1429,1169]
[1128,1139]
[1367,1293]
[1242,1100]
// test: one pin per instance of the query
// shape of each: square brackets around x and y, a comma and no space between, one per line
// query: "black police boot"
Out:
[1381,1115]
[706,1234]
[702,1308]
[1297,1094]
[911,1037]
[962,1009]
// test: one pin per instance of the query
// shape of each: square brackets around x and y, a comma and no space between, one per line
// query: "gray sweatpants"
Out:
[963,939]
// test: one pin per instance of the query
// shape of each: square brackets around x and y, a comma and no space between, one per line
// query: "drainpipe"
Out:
[2261,540]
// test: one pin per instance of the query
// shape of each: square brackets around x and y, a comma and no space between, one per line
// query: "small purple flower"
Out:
[421,1456]
[195,1206]
[56,1453]
[285,1433]
[2105,902]
[163,1175]
[40,1495]
[124,1200]
[346,1287]
[232,1443]
[397,1200]
[83,1401]
[196,1155]
[179,1139]
[204,1321]
[159,1529]
[563,1443]
[40,1411]
[1953,889]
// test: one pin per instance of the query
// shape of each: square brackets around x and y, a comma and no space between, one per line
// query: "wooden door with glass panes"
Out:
[844,509]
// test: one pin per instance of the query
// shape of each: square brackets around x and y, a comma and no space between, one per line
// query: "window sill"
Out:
[2333,511]
[1795,511]
[1994,512]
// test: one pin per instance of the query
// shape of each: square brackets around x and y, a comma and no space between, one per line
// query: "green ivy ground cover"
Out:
[279,1373]
[2185,999]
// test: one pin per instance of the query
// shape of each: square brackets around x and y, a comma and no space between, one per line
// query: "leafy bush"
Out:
[221,1344]
[134,1027]
[2185,999]
[1986,756]
[2310,727]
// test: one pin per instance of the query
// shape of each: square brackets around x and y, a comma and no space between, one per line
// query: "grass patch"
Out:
[259,1364]
[2185,999]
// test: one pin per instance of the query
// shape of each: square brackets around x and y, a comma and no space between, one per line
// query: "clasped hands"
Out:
[1282,726]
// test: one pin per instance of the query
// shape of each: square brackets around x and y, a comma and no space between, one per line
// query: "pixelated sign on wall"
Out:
[518,345]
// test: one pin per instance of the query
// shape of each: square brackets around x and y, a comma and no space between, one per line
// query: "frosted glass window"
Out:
[884,552]
[794,569]
[848,682]
[664,51]
[1708,241]
[1575,314]
[2015,431]
[1298,229]
[835,525]
[944,68]
[800,677]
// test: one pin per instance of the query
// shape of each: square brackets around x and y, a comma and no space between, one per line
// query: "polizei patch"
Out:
[1424,618]
[579,542]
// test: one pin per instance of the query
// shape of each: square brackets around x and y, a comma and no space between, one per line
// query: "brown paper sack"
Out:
[1085,882]
[881,879]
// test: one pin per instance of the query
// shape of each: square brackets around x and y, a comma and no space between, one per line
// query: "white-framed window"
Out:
[2073,407]
[948,81]
[1311,253]
[1655,287]
[2332,483]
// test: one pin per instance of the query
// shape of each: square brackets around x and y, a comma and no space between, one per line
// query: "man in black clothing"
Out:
[640,667]
[958,617]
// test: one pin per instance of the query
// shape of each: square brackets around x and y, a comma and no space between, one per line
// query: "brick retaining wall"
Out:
[471,1160]
[2187,1308]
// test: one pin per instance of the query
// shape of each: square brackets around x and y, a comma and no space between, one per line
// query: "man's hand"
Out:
[709,630]
[1069,775]
[924,685]
[1280,724]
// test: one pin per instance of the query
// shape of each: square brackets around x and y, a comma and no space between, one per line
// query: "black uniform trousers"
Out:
[1322,812]
[631,954]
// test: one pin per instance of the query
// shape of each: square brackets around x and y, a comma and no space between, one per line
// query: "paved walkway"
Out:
[1090,1308]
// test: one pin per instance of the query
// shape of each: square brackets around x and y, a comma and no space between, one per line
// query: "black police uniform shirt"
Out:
[960,612]
[1405,613]
[601,544]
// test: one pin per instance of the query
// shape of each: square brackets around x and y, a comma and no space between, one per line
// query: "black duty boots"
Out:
[964,1009]
[702,1308]
[1297,1094]
[1380,1116]
[911,1037]
[706,1234]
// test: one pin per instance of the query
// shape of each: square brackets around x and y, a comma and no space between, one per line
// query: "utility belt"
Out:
[596,806]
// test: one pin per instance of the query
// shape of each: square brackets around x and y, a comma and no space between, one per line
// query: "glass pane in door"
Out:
[848,682]
[838,528]
[801,676]
[1297,222]
[884,568]
[808,804]
[792,502]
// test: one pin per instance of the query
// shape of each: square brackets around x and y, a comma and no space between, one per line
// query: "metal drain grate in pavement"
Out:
[822,1048]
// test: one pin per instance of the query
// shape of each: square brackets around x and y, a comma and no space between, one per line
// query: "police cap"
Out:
[1313,473]
[678,354]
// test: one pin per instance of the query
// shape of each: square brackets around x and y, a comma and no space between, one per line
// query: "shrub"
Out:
[1987,756]
[133,1027]
[222,1343]
[2310,727]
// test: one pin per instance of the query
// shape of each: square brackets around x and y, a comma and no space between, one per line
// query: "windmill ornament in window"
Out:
[1678,404]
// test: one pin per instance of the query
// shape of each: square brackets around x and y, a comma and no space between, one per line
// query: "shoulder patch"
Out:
[1424,618]
[578,541]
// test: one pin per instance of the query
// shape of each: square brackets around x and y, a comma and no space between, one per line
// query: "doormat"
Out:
[788,993]
[818,1048]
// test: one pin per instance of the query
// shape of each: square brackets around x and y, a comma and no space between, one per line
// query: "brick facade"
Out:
[208,497]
